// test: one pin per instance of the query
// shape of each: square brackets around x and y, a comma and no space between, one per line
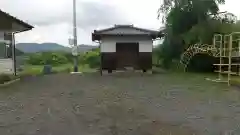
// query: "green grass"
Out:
[7,77]
[194,84]
[37,70]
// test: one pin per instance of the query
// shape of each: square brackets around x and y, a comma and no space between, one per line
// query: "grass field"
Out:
[36,70]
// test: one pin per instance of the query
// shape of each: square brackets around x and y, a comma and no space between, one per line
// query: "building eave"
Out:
[98,34]
[18,21]
[125,26]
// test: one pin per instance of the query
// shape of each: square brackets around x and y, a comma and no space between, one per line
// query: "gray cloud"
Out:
[53,18]
[89,14]
[98,14]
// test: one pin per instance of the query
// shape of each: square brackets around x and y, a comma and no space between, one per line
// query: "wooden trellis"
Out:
[225,48]
[229,56]
[196,49]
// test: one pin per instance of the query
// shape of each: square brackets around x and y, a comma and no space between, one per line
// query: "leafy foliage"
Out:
[200,8]
[47,58]
[156,55]
[189,22]
[91,58]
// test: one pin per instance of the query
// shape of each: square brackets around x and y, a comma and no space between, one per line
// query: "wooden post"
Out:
[238,40]
[220,67]
[101,63]
[230,59]
[224,45]
[238,53]
[214,41]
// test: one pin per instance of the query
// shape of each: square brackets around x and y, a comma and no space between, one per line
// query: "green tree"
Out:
[180,17]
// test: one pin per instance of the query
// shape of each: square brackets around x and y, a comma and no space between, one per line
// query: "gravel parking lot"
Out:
[119,104]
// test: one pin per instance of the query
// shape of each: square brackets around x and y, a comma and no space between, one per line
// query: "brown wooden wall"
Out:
[127,55]
[145,60]
[109,61]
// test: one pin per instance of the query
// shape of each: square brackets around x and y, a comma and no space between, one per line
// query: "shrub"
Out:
[4,78]
[69,57]
[47,58]
[35,59]
[91,58]
[55,59]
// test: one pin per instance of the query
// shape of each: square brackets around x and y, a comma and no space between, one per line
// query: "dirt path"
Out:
[117,105]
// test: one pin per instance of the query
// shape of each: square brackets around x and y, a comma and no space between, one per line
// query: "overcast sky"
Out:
[52,19]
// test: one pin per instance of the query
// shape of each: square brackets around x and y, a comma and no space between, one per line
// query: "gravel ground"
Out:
[120,104]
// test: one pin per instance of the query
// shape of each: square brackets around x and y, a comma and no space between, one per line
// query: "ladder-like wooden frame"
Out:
[226,50]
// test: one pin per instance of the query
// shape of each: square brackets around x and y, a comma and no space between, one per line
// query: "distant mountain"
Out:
[85,48]
[34,47]
[45,47]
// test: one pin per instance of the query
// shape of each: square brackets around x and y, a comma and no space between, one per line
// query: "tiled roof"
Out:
[28,26]
[125,27]
[126,30]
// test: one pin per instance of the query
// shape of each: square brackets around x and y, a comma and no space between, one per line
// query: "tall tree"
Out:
[180,16]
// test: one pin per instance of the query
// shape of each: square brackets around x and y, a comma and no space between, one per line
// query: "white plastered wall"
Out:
[6,64]
[108,44]
[1,36]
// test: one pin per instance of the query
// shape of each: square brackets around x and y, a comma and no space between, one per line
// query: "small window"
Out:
[5,50]
[2,50]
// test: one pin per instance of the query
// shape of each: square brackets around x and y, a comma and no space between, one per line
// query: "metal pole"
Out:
[14,54]
[75,35]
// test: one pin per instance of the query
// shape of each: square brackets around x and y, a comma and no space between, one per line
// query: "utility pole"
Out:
[75,36]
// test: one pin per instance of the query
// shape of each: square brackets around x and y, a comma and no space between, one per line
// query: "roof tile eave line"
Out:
[16,19]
